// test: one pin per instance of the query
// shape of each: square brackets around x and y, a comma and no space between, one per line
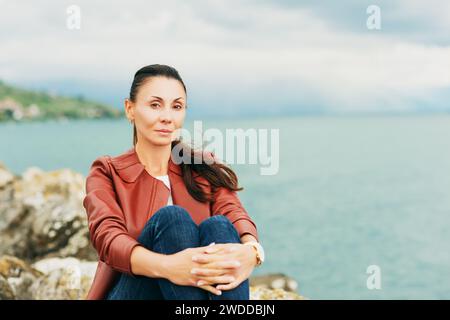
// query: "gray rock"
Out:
[262,293]
[19,276]
[42,215]
[6,292]
[275,281]
[63,279]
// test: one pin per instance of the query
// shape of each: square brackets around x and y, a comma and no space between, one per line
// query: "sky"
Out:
[255,57]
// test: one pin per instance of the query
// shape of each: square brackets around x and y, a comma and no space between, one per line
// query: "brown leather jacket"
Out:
[121,196]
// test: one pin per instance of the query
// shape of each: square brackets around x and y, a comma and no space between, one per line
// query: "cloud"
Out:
[268,57]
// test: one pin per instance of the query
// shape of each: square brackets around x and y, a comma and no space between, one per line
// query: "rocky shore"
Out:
[45,252]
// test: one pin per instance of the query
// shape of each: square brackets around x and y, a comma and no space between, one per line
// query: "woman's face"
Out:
[160,105]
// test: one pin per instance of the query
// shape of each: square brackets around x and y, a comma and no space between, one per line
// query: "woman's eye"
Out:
[179,107]
[155,105]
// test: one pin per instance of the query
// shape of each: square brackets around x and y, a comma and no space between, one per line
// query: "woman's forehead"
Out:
[163,88]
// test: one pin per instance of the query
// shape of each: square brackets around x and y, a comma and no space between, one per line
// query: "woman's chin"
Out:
[161,141]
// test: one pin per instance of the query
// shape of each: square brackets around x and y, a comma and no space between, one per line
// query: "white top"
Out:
[166,181]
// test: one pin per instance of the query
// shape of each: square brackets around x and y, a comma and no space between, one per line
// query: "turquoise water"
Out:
[351,192]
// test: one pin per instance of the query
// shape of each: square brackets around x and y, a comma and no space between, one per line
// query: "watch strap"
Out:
[255,247]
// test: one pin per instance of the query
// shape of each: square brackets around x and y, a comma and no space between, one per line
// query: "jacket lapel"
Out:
[129,168]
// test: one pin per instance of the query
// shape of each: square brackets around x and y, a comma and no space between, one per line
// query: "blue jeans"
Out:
[170,230]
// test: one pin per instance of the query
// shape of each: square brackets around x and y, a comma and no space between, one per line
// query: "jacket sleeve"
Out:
[106,222]
[227,203]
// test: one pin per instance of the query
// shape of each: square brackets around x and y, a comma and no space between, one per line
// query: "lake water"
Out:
[351,192]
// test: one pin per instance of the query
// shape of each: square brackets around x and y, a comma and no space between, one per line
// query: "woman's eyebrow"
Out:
[159,98]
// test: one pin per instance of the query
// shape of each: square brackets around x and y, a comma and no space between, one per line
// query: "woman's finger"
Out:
[211,289]
[221,248]
[219,265]
[213,249]
[229,264]
[214,280]
[228,286]
[207,272]
[200,258]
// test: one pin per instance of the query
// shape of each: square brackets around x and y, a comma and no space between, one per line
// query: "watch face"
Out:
[261,252]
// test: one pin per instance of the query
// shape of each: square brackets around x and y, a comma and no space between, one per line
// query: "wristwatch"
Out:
[259,251]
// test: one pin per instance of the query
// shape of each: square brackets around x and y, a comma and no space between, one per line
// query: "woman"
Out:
[159,227]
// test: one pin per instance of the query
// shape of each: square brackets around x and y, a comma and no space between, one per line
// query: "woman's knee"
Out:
[218,224]
[172,215]
[216,220]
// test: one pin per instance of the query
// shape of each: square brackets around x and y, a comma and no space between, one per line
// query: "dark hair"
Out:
[217,174]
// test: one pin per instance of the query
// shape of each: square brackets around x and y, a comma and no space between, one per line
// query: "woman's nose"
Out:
[166,115]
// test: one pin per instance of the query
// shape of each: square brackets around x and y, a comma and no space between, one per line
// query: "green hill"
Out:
[26,105]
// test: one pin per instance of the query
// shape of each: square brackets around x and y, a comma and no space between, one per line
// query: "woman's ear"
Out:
[129,109]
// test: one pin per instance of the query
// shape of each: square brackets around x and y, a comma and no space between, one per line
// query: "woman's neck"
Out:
[154,158]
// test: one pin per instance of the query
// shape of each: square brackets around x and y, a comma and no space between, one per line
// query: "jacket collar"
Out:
[129,167]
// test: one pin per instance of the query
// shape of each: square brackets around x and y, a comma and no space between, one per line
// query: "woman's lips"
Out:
[164,132]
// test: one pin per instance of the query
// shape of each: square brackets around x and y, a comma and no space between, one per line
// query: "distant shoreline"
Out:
[20,105]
